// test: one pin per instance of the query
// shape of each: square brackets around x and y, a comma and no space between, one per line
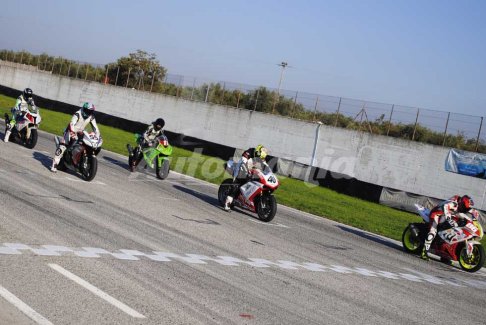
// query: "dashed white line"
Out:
[23,307]
[103,295]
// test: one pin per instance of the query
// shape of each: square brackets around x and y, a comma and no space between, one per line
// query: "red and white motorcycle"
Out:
[256,195]
[460,244]
[25,130]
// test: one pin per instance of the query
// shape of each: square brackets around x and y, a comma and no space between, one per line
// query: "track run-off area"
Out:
[128,248]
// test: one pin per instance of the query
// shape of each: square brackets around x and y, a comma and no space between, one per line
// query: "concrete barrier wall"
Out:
[385,161]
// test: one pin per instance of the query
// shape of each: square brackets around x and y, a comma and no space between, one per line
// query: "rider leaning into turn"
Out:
[78,123]
[444,212]
[153,131]
[249,159]
[24,103]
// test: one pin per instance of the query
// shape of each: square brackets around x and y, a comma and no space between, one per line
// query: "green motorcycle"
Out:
[156,155]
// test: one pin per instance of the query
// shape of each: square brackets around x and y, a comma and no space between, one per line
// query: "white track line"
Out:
[103,295]
[23,307]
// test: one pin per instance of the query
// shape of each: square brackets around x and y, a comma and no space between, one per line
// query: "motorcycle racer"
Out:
[445,212]
[75,128]
[24,103]
[153,131]
[241,173]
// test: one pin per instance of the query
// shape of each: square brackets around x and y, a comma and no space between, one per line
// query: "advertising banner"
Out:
[466,163]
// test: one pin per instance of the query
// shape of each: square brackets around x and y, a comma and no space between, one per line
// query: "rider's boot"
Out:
[227,204]
[428,241]
[57,157]
[424,255]
[130,149]
[7,135]
[8,131]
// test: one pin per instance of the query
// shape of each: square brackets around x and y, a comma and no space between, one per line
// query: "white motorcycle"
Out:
[25,130]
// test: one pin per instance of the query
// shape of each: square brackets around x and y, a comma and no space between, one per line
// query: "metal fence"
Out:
[416,124]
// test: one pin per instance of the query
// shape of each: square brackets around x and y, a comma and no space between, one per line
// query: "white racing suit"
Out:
[77,125]
[21,106]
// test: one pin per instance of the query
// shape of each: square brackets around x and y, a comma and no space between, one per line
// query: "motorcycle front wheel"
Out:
[266,207]
[89,168]
[475,261]
[411,243]
[163,170]
[32,141]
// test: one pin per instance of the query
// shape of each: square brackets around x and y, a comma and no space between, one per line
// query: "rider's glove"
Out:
[80,135]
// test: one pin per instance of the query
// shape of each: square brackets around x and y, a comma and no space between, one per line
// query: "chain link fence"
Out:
[417,124]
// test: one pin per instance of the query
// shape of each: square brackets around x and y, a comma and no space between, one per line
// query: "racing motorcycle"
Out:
[81,156]
[461,244]
[256,195]
[25,129]
[156,156]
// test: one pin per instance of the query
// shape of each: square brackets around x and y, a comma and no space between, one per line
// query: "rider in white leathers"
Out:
[78,123]
[25,103]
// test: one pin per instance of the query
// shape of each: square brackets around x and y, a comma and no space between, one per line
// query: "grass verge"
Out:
[294,193]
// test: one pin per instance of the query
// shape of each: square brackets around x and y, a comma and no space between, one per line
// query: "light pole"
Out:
[277,95]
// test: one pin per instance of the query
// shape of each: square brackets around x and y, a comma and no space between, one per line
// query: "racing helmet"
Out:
[261,152]
[158,124]
[87,110]
[27,94]
[465,203]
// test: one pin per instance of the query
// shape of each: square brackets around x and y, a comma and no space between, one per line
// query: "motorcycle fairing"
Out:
[248,192]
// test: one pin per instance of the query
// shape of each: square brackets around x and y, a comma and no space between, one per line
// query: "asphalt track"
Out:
[131,249]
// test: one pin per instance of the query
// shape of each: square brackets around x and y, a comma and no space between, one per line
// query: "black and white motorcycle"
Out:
[81,156]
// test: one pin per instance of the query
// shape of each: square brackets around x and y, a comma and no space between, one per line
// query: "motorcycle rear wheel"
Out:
[32,141]
[410,242]
[473,263]
[266,207]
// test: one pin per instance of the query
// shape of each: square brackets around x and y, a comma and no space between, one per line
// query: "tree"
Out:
[139,70]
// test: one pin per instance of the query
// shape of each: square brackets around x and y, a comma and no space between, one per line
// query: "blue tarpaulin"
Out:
[466,163]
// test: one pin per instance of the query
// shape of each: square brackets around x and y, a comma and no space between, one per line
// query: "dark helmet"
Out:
[465,203]
[87,110]
[158,124]
[27,94]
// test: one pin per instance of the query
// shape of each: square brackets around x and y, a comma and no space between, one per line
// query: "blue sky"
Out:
[428,54]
